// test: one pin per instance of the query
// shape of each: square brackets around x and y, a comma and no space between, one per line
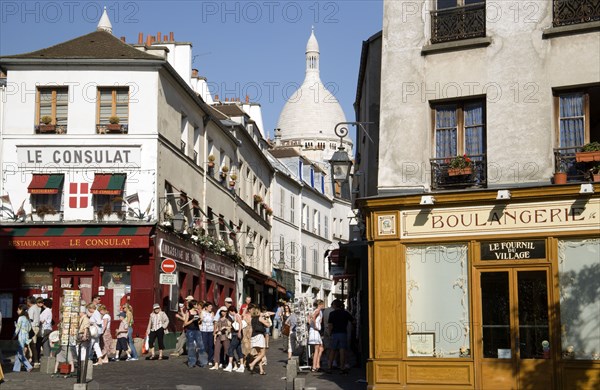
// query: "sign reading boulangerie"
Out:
[513,250]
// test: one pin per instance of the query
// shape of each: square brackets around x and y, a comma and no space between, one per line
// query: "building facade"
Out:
[112,163]
[488,263]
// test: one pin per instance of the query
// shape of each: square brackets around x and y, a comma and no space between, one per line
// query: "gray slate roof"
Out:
[99,45]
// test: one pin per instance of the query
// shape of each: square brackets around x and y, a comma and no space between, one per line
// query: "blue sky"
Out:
[243,48]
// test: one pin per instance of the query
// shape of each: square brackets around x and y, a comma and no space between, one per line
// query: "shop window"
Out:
[437,301]
[579,282]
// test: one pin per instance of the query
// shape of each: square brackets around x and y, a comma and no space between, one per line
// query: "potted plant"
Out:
[211,161]
[257,198]
[46,125]
[595,173]
[233,178]
[589,152]
[113,124]
[460,165]
[560,176]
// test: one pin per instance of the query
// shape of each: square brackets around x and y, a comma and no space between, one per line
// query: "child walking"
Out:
[122,337]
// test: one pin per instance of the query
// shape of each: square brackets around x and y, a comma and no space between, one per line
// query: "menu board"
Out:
[70,317]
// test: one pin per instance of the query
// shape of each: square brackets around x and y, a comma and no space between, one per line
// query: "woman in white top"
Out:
[314,335]
[106,336]
[207,328]
[46,326]
[95,323]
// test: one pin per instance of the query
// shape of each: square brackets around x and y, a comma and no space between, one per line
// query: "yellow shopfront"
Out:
[470,293]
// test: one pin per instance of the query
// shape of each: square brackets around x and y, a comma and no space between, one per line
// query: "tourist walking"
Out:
[314,334]
[121,334]
[95,330]
[259,324]
[291,321]
[46,326]
[33,312]
[235,345]
[182,315]
[22,329]
[338,329]
[222,331]
[129,315]
[107,340]
[157,324]
[207,328]
[195,345]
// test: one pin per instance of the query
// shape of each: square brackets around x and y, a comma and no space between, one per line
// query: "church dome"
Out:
[312,112]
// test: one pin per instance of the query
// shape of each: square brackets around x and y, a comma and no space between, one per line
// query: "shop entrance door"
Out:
[81,282]
[513,330]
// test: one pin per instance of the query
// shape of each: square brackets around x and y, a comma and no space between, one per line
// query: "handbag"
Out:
[146,345]
[286,330]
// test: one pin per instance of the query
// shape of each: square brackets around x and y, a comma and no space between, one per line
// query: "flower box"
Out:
[47,128]
[114,127]
[587,156]
[460,171]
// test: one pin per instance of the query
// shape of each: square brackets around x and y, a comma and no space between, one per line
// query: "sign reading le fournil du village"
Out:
[514,218]
[513,250]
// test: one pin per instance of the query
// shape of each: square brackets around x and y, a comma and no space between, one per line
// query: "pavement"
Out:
[175,374]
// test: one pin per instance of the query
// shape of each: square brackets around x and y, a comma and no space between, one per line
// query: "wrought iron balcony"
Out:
[50,129]
[566,12]
[111,128]
[565,160]
[442,176]
[453,24]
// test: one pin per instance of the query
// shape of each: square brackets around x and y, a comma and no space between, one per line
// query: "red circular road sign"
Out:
[168,266]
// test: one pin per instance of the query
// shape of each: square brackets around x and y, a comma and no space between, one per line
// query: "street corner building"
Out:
[484,232]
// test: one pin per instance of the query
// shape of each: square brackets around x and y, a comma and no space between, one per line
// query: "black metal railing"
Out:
[453,24]
[442,179]
[565,160]
[567,12]
[50,129]
[111,129]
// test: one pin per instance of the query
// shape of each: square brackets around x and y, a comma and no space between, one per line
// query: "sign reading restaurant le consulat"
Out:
[487,219]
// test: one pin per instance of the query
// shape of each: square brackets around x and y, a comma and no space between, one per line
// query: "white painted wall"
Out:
[516,72]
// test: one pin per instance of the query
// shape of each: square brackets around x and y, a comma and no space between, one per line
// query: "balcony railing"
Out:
[50,129]
[566,12]
[441,179]
[110,128]
[565,161]
[453,24]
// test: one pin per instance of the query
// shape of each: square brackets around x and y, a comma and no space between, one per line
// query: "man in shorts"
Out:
[337,325]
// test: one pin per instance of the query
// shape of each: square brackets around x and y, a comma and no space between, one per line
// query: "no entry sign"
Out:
[168,266]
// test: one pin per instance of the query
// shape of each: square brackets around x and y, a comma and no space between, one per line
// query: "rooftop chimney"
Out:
[158,36]
[194,72]
[141,38]
[171,37]
[123,39]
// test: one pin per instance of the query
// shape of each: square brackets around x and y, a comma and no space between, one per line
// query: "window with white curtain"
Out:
[579,284]
[437,300]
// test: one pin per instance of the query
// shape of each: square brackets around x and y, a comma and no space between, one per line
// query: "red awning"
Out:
[108,184]
[46,184]
[271,283]
[75,237]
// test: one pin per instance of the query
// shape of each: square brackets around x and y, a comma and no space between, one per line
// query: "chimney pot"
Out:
[216,97]
[194,72]
[123,39]
[140,38]
[158,36]
[247,99]
[148,40]
[171,36]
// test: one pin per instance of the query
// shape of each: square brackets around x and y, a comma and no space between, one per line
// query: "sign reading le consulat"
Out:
[513,250]
[79,156]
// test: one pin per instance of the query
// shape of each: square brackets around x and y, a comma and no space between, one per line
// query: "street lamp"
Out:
[178,222]
[249,248]
[340,161]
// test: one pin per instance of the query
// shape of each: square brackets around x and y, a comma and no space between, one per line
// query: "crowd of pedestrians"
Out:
[219,339]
